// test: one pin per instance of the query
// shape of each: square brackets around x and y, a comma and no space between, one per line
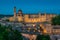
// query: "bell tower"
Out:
[14,13]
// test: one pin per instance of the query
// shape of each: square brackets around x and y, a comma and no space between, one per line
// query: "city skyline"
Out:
[30,6]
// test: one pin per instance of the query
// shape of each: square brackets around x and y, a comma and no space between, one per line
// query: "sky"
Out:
[30,6]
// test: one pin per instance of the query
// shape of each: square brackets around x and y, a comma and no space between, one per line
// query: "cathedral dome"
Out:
[19,10]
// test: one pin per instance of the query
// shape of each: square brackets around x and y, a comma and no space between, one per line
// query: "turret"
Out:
[19,12]
[14,13]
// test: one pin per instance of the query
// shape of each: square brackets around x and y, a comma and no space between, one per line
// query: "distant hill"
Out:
[1,16]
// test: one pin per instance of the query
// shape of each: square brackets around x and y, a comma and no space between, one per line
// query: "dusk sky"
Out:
[30,6]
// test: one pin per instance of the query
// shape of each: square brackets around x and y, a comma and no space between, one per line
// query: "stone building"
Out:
[31,18]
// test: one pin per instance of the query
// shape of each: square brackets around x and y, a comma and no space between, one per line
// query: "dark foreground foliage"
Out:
[6,33]
[56,20]
[43,37]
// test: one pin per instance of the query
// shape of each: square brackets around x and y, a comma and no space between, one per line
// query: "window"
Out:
[33,16]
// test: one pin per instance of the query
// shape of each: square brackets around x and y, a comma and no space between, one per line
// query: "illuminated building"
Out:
[31,18]
[34,18]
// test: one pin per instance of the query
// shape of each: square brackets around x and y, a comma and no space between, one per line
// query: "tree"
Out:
[2,29]
[6,33]
[12,35]
[56,20]
[7,20]
[43,37]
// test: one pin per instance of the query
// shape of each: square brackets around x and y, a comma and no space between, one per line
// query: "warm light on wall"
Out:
[34,25]
[40,18]
[45,31]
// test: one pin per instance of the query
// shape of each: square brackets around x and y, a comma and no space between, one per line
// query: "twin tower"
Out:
[17,14]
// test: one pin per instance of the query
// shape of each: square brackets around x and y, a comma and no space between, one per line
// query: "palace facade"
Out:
[31,18]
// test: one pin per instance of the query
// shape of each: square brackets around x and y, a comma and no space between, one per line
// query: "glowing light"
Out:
[45,31]
[38,30]
[34,25]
